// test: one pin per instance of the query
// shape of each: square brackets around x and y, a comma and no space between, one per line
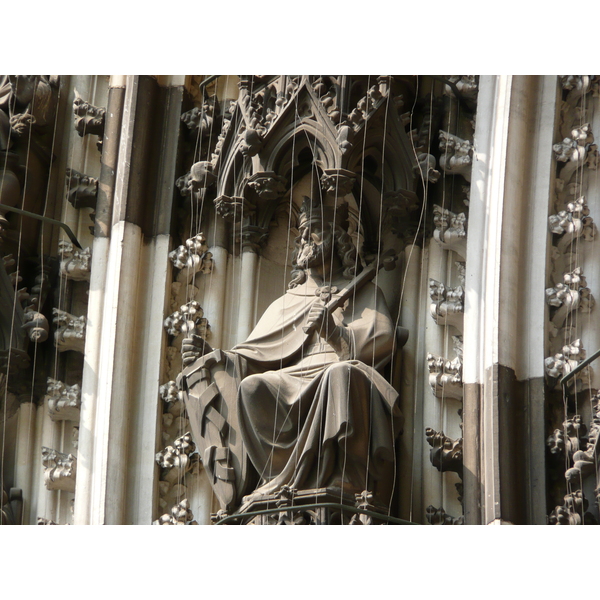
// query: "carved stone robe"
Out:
[309,418]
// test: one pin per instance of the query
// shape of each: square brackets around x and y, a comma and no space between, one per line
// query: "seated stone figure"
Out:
[301,403]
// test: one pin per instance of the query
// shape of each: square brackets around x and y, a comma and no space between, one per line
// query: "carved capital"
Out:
[446,454]
[70,332]
[188,320]
[75,264]
[89,119]
[233,209]
[338,182]
[82,190]
[64,401]
[572,223]
[447,307]
[254,238]
[456,155]
[450,230]
[267,185]
[60,470]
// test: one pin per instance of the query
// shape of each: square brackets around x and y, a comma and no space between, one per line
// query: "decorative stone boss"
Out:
[302,402]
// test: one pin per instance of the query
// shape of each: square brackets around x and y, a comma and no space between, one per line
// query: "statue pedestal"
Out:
[322,506]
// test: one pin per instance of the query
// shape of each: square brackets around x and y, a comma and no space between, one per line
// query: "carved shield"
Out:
[209,389]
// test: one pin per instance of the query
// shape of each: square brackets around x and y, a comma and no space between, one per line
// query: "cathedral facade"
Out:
[299,299]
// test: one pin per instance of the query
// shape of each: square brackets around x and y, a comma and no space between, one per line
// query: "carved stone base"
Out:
[291,507]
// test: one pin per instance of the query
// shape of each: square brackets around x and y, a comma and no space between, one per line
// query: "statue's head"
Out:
[323,237]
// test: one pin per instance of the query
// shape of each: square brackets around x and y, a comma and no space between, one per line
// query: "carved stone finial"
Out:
[450,230]
[75,264]
[70,332]
[456,155]
[447,307]
[82,190]
[64,401]
[60,470]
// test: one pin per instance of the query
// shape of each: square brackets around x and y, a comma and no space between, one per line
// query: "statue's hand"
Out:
[192,348]
[322,319]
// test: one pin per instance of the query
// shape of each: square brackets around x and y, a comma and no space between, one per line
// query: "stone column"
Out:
[504,300]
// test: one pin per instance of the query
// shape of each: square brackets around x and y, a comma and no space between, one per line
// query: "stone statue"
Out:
[301,403]
[27,117]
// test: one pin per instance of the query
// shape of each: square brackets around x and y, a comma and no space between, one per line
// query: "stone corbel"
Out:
[445,376]
[446,454]
[564,362]
[568,297]
[89,119]
[64,401]
[60,470]
[178,459]
[438,516]
[450,230]
[75,264]
[70,332]
[180,515]
[447,307]
[456,155]
[188,320]
[572,223]
[192,258]
[82,190]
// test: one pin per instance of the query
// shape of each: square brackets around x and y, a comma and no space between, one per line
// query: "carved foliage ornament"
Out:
[188,320]
[75,264]
[456,155]
[447,306]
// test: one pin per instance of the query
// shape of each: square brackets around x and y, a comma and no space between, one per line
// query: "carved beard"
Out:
[313,254]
